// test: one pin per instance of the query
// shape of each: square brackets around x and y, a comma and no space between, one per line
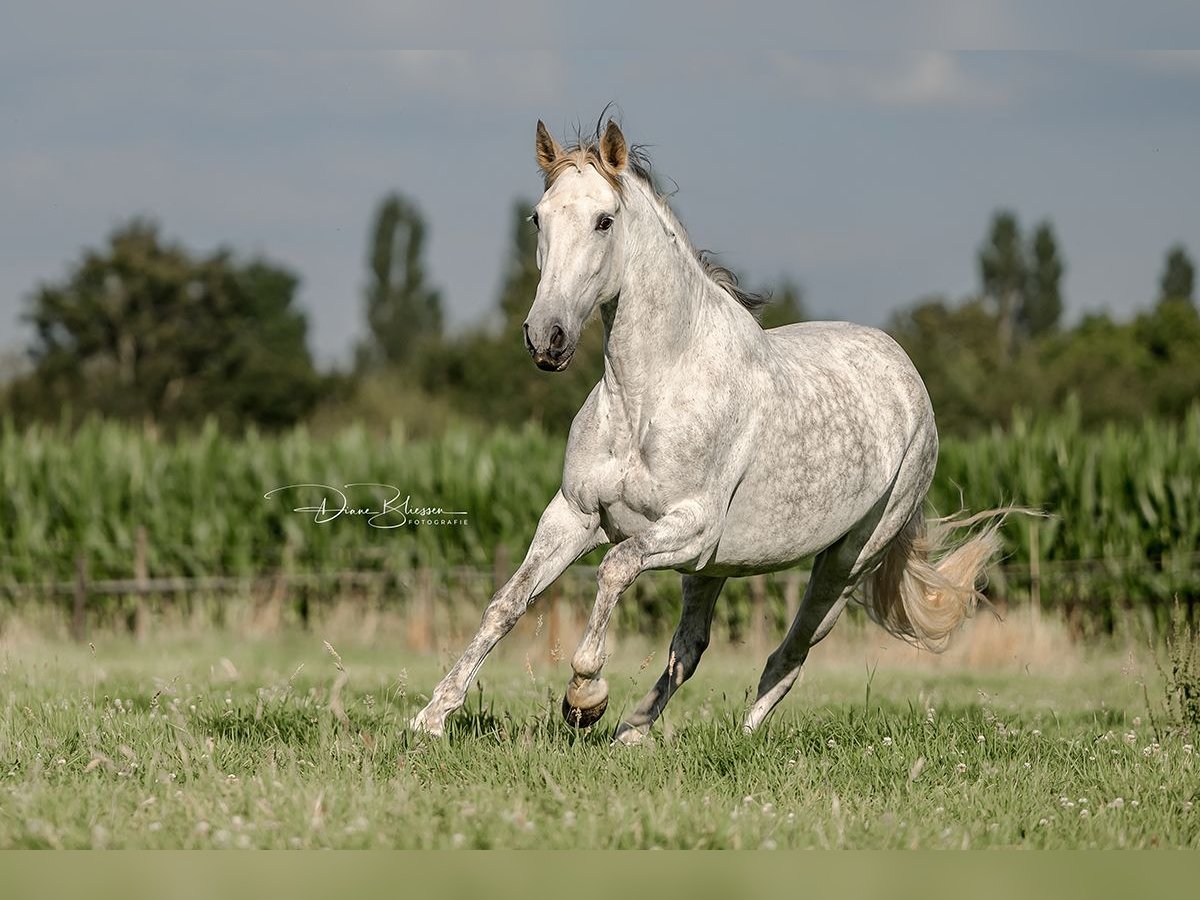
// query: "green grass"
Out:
[220,742]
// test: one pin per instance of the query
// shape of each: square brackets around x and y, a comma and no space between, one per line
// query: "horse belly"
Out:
[771,530]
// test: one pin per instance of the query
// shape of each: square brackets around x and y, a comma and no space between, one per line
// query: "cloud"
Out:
[922,79]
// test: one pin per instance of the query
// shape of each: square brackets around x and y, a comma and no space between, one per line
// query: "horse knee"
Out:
[618,569]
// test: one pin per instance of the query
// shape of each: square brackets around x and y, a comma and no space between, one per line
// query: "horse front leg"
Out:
[683,536]
[700,595]
[564,533]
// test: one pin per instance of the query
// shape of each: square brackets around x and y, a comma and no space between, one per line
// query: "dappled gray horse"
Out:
[716,448]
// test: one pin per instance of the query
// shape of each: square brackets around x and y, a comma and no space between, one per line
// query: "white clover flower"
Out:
[1083,814]
[1116,803]
[887,742]
[1188,749]
[1130,738]
[1137,720]
[831,743]
[960,768]
[979,739]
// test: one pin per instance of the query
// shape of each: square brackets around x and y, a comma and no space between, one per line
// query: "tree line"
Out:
[145,330]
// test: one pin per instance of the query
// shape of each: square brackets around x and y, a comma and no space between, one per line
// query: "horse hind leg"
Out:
[700,595]
[828,591]
[836,571]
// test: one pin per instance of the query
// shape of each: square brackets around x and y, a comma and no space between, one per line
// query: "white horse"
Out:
[716,448]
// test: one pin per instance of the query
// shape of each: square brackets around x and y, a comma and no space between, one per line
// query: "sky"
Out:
[867,176]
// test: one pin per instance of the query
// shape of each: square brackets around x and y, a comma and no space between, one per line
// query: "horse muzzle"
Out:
[554,353]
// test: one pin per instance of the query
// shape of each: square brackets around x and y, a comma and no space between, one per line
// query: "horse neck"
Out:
[655,323]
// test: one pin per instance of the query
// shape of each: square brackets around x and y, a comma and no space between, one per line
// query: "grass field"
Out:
[220,740]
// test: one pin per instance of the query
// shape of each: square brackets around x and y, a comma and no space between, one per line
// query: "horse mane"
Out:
[585,151]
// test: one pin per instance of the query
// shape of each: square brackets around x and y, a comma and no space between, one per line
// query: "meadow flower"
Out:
[1187,748]
[1083,814]
[960,768]
[1130,737]
[979,739]
[887,742]
[831,743]
[1137,721]
[1116,803]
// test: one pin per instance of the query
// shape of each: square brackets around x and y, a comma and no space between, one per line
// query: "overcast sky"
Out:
[869,177]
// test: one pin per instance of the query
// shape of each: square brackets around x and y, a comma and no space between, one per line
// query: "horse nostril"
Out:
[558,339]
[528,342]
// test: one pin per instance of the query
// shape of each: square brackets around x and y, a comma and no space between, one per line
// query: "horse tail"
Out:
[928,584]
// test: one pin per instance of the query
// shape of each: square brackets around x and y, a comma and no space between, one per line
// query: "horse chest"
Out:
[630,496]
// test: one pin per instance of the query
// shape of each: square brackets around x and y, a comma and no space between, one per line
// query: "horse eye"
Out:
[604,222]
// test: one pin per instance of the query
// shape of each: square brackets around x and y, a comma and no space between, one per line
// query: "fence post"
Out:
[141,576]
[500,570]
[791,598]
[1035,574]
[79,607]
[420,613]
[552,627]
[758,611]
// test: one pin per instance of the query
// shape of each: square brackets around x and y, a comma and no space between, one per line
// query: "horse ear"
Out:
[547,148]
[612,147]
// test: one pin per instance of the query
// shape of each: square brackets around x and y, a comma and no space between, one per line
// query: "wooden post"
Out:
[420,613]
[79,608]
[500,569]
[552,625]
[791,598]
[758,611]
[1035,574]
[141,576]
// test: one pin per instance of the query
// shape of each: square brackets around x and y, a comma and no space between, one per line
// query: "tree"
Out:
[1179,275]
[786,306]
[1002,272]
[521,273]
[488,371]
[145,330]
[1041,306]
[403,312]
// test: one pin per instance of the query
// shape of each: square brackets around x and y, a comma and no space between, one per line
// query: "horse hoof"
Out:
[585,701]
[582,718]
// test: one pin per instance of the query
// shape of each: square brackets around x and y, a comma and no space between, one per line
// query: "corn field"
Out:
[1122,526]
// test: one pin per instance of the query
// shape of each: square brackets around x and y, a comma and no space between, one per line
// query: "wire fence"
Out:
[456,594]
